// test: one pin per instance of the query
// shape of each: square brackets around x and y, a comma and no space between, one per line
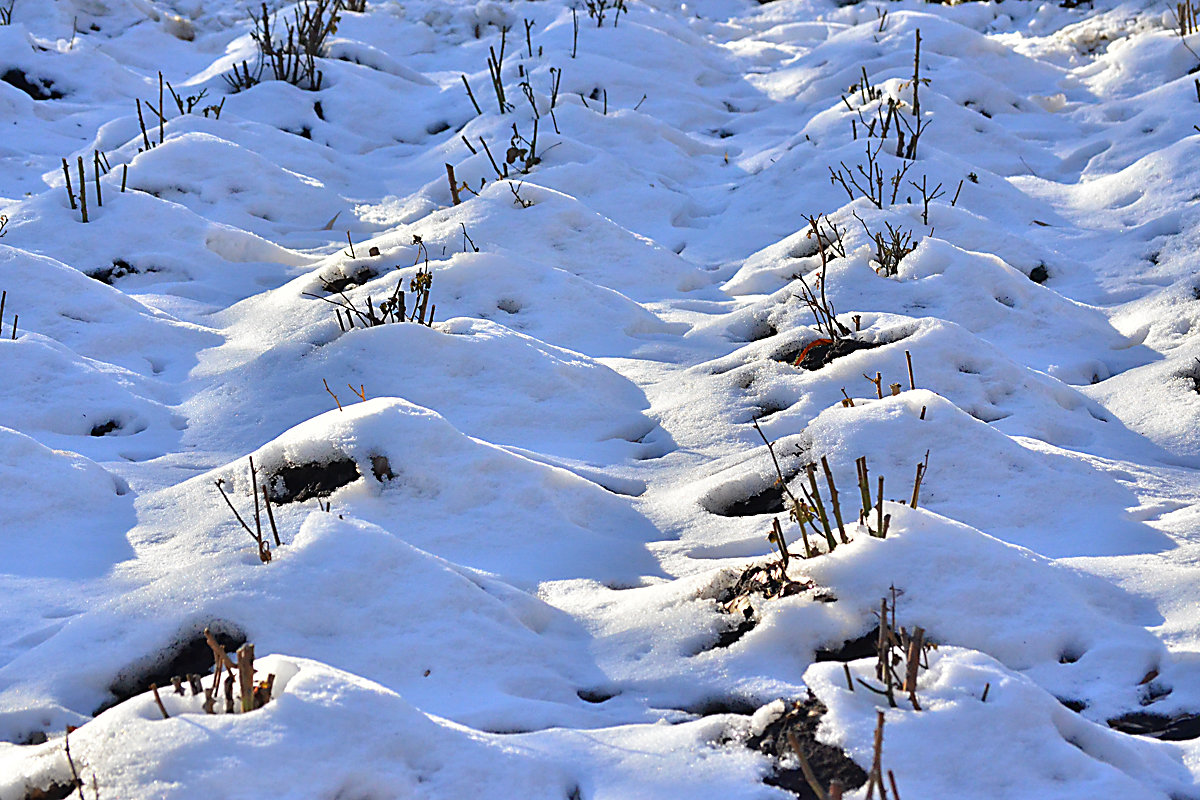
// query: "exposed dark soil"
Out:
[343,282]
[1159,726]
[105,428]
[828,763]
[814,355]
[864,646]
[37,88]
[55,791]
[1039,274]
[189,654]
[294,483]
[119,269]
[768,501]
[756,583]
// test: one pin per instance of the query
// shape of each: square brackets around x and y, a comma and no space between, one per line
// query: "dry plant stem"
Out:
[453,184]
[142,124]
[782,482]
[158,701]
[809,777]
[921,468]
[270,516]
[811,469]
[82,191]
[96,175]
[833,499]
[331,394]
[246,676]
[879,511]
[70,193]
[912,384]
[892,781]
[257,537]
[229,693]
[912,664]
[875,777]
[254,491]
[471,95]
[71,761]
[781,543]
[849,677]
[836,788]
[864,484]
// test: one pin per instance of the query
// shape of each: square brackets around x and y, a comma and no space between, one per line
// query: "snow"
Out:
[517,590]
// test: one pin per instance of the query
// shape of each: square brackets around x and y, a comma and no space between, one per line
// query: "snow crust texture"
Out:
[509,529]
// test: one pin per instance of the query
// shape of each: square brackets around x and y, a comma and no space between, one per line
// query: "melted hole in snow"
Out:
[188,654]
[508,305]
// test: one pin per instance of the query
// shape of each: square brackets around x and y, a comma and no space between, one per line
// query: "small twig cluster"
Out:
[395,308]
[100,166]
[813,514]
[877,382]
[292,58]
[598,9]
[251,695]
[869,181]
[6,13]
[1185,16]
[256,533]
[829,240]
[894,648]
[890,247]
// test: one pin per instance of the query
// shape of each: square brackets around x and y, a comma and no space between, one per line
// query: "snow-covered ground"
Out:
[513,576]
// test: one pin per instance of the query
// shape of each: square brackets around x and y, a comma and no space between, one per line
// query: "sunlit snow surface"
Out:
[563,445]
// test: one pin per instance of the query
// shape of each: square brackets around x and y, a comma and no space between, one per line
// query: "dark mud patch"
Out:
[188,654]
[799,722]
[1180,728]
